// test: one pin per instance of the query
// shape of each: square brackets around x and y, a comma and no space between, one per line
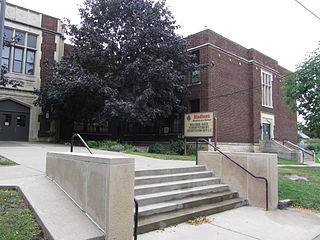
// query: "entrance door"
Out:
[266,131]
[14,121]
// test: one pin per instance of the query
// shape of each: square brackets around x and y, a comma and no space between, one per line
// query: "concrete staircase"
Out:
[175,195]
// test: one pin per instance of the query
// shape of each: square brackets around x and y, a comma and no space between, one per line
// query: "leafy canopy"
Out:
[302,91]
[127,63]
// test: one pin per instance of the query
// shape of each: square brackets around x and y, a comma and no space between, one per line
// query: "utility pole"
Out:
[2,17]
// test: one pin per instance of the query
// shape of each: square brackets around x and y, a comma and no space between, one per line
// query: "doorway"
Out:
[14,121]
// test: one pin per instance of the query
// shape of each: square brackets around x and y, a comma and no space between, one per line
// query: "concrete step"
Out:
[189,202]
[166,171]
[171,177]
[160,221]
[169,186]
[159,197]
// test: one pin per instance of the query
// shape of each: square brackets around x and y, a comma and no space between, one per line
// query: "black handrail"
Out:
[81,139]
[135,230]
[251,174]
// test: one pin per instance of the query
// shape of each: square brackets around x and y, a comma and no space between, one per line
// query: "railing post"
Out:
[197,152]
[72,142]
[135,231]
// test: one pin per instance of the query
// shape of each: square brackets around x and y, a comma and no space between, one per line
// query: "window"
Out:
[6,56]
[30,62]
[20,36]
[194,76]
[8,34]
[195,105]
[32,41]
[17,60]
[176,125]
[7,120]
[21,120]
[266,84]
[20,57]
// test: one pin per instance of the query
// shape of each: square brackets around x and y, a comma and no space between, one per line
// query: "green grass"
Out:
[318,157]
[6,162]
[303,194]
[288,162]
[165,156]
[16,219]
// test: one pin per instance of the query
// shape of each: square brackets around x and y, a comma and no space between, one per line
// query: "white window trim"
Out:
[262,89]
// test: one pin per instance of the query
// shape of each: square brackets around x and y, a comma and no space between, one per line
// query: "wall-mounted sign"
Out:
[198,124]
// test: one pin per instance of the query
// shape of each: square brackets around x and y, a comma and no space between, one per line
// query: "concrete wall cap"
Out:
[95,158]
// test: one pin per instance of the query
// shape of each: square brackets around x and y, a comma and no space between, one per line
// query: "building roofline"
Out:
[248,50]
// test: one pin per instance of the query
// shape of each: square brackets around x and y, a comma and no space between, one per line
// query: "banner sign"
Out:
[198,124]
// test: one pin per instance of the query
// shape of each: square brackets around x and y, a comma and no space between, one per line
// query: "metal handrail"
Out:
[81,139]
[247,171]
[135,230]
[297,146]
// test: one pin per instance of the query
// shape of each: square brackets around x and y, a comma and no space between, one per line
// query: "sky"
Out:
[281,29]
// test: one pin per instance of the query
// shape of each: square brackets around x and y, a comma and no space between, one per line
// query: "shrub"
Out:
[177,147]
[130,148]
[157,148]
[314,146]
[117,148]
[191,149]
[93,144]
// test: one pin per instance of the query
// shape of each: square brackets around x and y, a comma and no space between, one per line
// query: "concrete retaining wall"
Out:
[260,164]
[102,186]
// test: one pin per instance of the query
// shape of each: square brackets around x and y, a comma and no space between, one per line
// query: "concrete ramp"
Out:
[58,216]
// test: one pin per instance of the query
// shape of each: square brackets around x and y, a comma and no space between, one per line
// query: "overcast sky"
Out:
[281,29]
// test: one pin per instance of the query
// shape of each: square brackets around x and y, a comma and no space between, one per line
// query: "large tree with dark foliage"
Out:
[302,91]
[127,64]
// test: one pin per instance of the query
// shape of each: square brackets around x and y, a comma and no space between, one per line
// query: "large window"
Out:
[21,56]
[195,105]
[266,84]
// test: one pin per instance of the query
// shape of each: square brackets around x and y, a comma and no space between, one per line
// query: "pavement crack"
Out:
[235,231]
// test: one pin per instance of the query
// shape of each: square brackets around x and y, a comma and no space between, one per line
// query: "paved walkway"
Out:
[63,220]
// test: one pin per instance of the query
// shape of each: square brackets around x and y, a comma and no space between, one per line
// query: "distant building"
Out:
[40,39]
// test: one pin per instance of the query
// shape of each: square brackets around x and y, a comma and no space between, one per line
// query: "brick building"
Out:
[40,39]
[243,89]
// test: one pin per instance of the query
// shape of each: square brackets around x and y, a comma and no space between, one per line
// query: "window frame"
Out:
[26,48]
[266,89]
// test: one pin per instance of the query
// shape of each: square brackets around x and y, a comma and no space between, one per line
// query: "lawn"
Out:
[165,156]
[16,219]
[288,162]
[6,162]
[304,194]
[318,157]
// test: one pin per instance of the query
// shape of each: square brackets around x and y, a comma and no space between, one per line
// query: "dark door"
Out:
[14,121]
[266,131]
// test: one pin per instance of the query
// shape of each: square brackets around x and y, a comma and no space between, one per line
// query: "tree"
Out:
[302,91]
[127,64]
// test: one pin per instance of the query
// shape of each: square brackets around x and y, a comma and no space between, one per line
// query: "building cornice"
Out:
[235,56]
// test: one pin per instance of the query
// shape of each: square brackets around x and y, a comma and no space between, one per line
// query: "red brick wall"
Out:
[239,113]
[48,46]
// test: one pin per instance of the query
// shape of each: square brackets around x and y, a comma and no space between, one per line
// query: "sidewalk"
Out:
[64,221]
